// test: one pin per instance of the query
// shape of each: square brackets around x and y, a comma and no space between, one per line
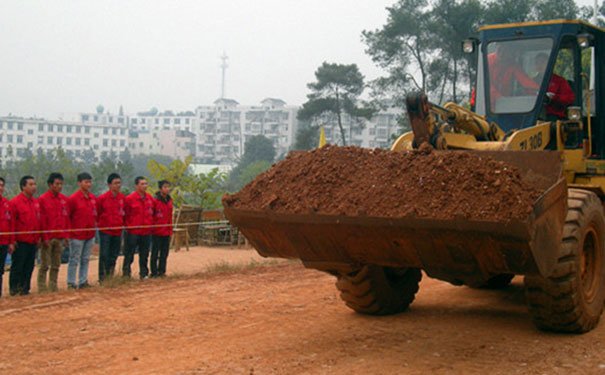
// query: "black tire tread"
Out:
[555,302]
[367,291]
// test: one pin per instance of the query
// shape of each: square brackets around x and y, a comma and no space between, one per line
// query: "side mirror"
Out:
[585,40]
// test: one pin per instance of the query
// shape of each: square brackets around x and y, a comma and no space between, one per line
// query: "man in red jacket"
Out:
[559,94]
[55,223]
[110,208]
[139,219]
[83,221]
[6,226]
[26,225]
[505,72]
[162,221]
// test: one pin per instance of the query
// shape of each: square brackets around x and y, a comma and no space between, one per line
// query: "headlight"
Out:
[574,113]
[468,46]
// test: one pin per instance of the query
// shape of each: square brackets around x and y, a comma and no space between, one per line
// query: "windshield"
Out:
[516,70]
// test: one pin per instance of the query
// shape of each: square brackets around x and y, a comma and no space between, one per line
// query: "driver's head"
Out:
[541,61]
[506,53]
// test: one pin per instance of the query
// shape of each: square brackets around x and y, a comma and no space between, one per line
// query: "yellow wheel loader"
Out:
[538,105]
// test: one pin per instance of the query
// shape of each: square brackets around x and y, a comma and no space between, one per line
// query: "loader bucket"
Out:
[458,250]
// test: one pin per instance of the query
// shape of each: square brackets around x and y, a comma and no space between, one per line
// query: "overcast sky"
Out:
[67,56]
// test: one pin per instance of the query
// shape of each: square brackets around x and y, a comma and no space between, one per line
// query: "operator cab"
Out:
[520,65]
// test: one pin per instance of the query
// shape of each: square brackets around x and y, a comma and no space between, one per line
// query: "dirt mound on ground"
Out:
[354,181]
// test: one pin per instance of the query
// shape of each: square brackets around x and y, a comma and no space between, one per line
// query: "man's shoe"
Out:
[71,286]
[144,277]
[84,286]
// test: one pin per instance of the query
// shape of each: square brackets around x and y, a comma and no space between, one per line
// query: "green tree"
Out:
[203,190]
[252,170]
[555,9]
[403,45]
[307,136]
[256,149]
[335,94]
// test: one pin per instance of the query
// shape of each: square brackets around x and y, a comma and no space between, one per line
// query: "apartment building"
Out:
[17,135]
[223,128]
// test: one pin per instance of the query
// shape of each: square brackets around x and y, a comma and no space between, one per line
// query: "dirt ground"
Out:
[279,319]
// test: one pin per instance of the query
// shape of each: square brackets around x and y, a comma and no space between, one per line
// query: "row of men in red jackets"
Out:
[54,221]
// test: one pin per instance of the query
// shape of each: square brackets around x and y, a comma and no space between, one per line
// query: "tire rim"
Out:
[590,264]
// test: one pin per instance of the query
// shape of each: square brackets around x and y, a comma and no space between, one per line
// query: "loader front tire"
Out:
[571,298]
[376,290]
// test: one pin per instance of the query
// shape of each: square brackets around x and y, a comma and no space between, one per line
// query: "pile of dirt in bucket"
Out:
[354,181]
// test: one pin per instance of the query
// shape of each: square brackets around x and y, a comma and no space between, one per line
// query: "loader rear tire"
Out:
[376,290]
[571,298]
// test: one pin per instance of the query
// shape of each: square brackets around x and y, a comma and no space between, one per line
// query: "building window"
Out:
[113,142]
[50,127]
[87,130]
[40,127]
[96,135]
[30,145]
[30,131]
[84,117]
[68,140]
[122,143]
[78,129]
[59,128]
[86,142]
[10,126]
[142,121]
[68,128]
[157,121]
[19,139]
[20,126]
[59,140]
[105,142]
[122,131]
[105,131]
[9,138]
[177,121]
[114,131]
[78,141]
[49,140]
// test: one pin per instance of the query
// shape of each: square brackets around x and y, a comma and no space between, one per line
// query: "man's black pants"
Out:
[159,254]
[3,252]
[22,267]
[109,249]
[136,242]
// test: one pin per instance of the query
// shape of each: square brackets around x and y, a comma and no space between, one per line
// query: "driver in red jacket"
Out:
[559,94]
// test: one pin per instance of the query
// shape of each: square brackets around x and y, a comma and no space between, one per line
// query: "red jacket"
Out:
[501,78]
[82,215]
[110,210]
[162,215]
[564,96]
[54,212]
[139,211]
[6,222]
[26,218]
